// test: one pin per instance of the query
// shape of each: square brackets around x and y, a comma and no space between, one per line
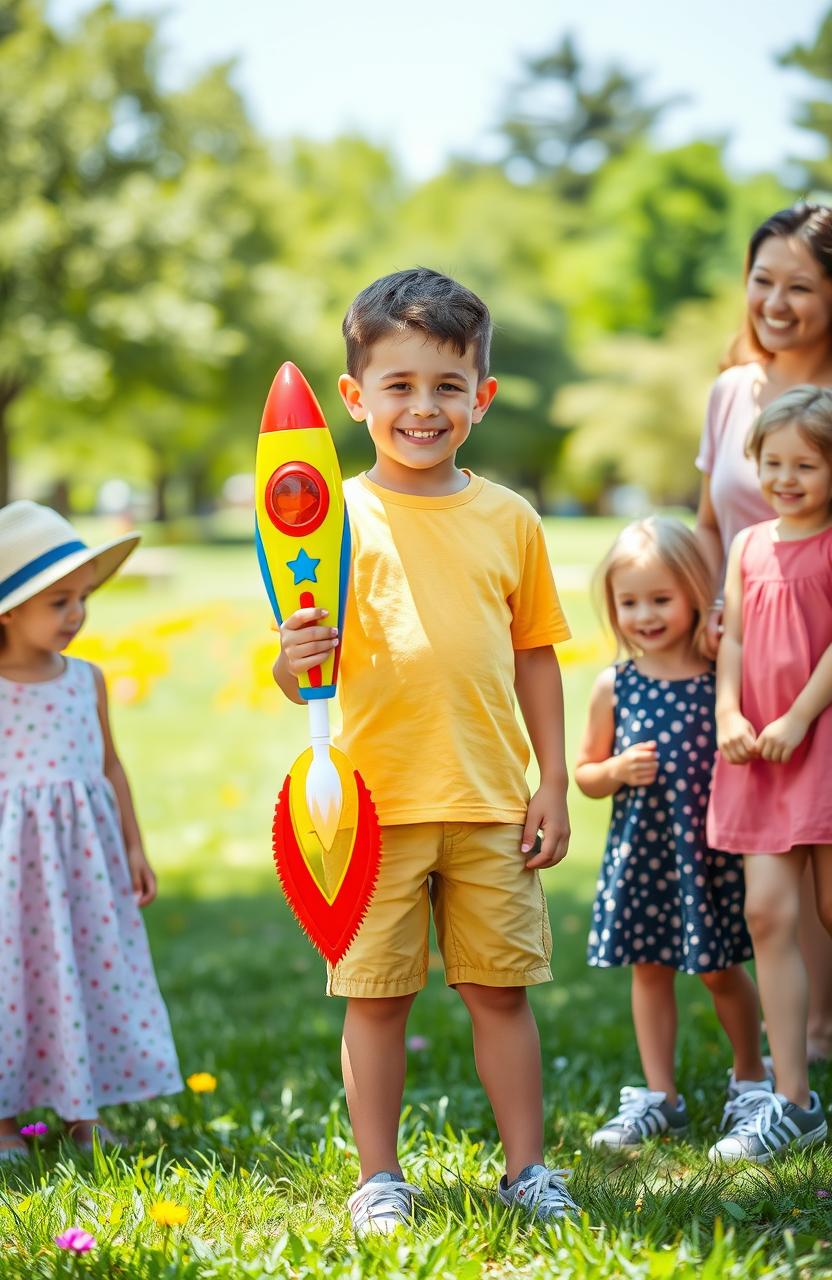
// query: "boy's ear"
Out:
[486,391]
[351,395]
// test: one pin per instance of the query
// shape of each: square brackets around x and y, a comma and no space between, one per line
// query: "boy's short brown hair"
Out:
[440,307]
[808,407]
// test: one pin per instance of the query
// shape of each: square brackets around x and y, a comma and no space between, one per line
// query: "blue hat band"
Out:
[36,566]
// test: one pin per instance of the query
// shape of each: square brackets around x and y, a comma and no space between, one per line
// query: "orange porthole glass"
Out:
[297,499]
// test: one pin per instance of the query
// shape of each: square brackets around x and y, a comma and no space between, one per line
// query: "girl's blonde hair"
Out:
[678,550]
[808,407]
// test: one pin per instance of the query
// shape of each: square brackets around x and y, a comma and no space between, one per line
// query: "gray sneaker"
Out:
[539,1192]
[737,1087]
[382,1205]
[642,1114]
[766,1123]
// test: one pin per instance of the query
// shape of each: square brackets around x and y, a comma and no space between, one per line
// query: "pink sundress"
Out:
[762,807]
[82,1021]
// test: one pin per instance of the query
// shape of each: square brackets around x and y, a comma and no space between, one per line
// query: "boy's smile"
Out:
[419,400]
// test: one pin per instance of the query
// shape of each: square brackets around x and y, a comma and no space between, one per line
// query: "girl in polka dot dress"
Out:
[82,1022]
[665,901]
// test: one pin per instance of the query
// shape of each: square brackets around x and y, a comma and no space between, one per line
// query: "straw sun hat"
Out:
[38,548]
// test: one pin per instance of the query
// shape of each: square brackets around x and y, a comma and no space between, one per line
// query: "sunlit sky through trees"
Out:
[432,78]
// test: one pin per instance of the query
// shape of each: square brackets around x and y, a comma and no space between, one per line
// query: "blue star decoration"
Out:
[303,567]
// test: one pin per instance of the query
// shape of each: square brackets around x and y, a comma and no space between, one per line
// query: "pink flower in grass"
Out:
[75,1240]
[36,1130]
[824,1195]
[418,1044]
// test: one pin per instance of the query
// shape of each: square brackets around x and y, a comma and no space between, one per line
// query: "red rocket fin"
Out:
[291,404]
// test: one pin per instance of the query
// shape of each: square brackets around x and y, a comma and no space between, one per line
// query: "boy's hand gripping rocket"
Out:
[326,837]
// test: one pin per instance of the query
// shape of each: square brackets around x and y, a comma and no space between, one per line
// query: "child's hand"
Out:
[713,632]
[547,813]
[638,765]
[736,738]
[142,877]
[779,740]
[304,645]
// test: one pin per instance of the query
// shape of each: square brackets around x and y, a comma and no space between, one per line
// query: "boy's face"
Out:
[419,401]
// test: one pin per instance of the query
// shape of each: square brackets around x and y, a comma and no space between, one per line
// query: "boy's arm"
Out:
[736,736]
[539,690]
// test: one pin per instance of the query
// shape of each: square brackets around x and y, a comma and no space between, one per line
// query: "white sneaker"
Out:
[382,1205]
[766,1123]
[540,1192]
[642,1114]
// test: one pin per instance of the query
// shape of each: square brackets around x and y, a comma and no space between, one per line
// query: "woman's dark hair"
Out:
[811,224]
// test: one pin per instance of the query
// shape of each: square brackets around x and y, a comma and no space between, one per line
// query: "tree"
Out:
[816,114]
[638,415]
[132,224]
[564,122]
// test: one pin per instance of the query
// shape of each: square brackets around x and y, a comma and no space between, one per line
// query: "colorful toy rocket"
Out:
[326,837]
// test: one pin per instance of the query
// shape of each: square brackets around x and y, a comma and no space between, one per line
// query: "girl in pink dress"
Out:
[771,800]
[82,1022]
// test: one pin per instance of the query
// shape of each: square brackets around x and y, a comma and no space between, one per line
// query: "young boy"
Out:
[452,606]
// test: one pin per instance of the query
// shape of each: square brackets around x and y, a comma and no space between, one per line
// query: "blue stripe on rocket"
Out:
[326,690]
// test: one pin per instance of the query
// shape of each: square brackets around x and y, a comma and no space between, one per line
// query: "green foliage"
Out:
[637,417]
[159,259]
[564,123]
[815,115]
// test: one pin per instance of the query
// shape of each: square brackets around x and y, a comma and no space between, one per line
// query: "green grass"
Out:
[264,1164]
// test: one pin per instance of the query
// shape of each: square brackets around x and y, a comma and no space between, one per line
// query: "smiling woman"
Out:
[786,341]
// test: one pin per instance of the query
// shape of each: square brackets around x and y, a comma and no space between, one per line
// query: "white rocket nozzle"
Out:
[324,794]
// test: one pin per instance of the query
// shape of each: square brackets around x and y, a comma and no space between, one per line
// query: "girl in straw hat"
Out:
[82,1021]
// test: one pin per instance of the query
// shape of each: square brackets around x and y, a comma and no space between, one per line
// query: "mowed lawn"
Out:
[262,1166]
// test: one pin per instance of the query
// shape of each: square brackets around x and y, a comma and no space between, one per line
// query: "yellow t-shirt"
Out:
[443,591]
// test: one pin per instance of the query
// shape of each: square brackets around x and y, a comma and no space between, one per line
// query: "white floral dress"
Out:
[82,1021]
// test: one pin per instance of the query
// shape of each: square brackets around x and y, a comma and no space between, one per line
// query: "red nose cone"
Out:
[291,403]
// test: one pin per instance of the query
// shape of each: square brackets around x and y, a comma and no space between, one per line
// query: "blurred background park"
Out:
[190,196]
[172,228]
[182,207]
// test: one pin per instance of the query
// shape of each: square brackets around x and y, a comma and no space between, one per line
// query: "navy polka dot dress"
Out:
[664,897]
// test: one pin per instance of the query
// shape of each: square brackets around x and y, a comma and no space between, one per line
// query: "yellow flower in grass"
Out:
[166,1213]
[202,1082]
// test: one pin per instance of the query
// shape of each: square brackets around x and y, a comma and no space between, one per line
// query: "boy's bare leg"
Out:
[772,909]
[653,1000]
[507,1057]
[373,1063]
[737,1006]
[816,945]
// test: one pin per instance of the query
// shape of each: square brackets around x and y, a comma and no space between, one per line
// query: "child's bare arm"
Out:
[539,692]
[302,646]
[779,740]
[736,736]
[141,873]
[598,772]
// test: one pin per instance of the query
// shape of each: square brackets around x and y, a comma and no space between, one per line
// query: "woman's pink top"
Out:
[735,493]
[762,807]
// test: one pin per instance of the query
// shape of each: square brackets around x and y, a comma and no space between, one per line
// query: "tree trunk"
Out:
[8,392]
[199,492]
[59,497]
[160,490]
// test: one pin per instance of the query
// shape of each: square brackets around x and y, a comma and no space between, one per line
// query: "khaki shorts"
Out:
[489,909]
